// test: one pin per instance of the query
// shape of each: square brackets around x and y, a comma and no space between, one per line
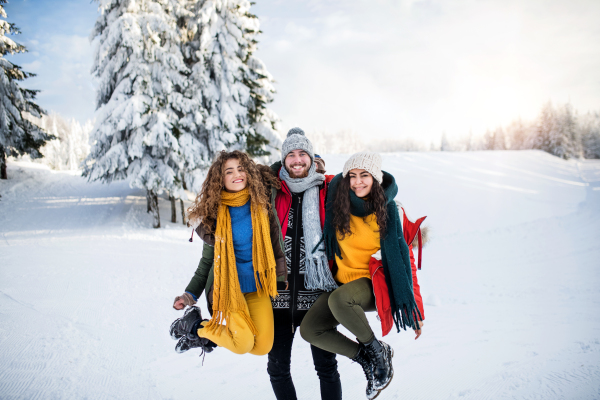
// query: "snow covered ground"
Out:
[510,279]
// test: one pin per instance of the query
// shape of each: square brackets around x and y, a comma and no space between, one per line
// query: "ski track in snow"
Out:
[510,282]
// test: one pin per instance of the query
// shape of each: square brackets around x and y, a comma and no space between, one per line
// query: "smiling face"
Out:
[297,163]
[361,182]
[234,177]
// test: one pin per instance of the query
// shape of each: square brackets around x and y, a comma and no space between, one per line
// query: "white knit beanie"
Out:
[369,161]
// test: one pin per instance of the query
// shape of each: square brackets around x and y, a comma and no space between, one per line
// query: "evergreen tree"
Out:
[445,144]
[590,135]
[469,141]
[556,132]
[488,140]
[71,146]
[570,131]
[229,87]
[18,135]
[498,139]
[141,75]
[519,135]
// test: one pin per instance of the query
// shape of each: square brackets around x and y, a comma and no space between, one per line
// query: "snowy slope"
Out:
[510,280]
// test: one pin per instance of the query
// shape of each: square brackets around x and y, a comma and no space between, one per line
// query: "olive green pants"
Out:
[346,305]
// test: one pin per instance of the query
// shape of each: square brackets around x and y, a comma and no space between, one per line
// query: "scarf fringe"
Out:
[266,283]
[318,276]
[407,316]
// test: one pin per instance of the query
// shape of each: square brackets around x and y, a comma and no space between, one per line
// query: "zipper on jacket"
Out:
[291,279]
[296,253]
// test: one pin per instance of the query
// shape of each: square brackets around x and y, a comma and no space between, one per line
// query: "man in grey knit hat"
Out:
[300,209]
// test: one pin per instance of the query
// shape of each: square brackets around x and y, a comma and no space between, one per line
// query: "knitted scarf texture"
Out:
[394,250]
[228,297]
[318,275]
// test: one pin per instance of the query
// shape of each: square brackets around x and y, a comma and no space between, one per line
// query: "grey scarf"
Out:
[318,275]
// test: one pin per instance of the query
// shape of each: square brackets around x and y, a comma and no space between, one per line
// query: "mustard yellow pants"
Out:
[243,340]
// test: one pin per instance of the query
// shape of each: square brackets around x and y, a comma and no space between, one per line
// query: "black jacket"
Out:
[290,306]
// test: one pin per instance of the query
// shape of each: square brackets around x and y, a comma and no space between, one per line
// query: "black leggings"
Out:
[279,367]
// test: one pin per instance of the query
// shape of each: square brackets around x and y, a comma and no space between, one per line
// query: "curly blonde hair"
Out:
[259,179]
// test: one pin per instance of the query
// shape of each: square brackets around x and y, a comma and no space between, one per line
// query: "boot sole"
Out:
[386,385]
[172,333]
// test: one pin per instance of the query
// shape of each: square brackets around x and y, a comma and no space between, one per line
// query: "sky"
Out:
[401,69]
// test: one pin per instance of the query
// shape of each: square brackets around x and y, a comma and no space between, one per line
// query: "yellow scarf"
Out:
[228,296]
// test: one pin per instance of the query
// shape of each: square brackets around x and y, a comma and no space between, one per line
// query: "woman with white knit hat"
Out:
[363,236]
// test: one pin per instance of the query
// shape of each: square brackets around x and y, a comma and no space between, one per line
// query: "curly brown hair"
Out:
[376,202]
[207,202]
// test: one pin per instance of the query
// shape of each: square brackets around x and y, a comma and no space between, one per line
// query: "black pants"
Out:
[279,367]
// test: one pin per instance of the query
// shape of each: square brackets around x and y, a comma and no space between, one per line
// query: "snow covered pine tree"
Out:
[556,132]
[229,87]
[18,135]
[141,73]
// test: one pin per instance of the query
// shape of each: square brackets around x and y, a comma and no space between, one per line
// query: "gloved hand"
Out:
[184,300]
[320,164]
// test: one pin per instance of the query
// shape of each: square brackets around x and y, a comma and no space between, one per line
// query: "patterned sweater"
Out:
[290,306]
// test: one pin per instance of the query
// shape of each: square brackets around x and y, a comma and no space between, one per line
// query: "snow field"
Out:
[510,281]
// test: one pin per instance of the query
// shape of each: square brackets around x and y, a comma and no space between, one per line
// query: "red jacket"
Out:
[380,289]
[283,202]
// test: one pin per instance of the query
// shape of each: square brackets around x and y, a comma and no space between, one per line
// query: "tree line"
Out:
[558,130]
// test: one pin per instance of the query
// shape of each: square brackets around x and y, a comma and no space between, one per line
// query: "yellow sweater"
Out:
[357,249]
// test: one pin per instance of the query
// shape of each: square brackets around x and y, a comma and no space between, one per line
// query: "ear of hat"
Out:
[367,160]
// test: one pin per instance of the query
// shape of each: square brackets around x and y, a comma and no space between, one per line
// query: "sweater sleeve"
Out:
[200,278]
[416,287]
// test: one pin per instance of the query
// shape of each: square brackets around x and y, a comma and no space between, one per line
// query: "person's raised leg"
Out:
[237,337]
[348,304]
[319,328]
[261,313]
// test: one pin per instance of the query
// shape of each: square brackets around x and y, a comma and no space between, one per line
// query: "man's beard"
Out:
[292,173]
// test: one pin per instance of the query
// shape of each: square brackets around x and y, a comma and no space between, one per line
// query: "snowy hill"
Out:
[510,281]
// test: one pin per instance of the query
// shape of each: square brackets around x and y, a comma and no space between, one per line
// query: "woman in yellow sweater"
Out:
[362,226]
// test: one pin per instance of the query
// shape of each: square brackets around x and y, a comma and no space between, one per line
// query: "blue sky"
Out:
[56,36]
[403,68]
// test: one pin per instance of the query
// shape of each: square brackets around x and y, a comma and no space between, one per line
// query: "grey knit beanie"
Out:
[296,140]
[369,161]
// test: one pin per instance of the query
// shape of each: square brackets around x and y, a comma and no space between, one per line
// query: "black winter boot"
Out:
[380,355]
[186,330]
[182,326]
[362,358]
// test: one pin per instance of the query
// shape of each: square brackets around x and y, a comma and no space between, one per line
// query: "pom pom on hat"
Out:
[295,131]
[369,161]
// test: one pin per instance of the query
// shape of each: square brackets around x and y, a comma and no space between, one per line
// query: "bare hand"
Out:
[179,304]
[418,331]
